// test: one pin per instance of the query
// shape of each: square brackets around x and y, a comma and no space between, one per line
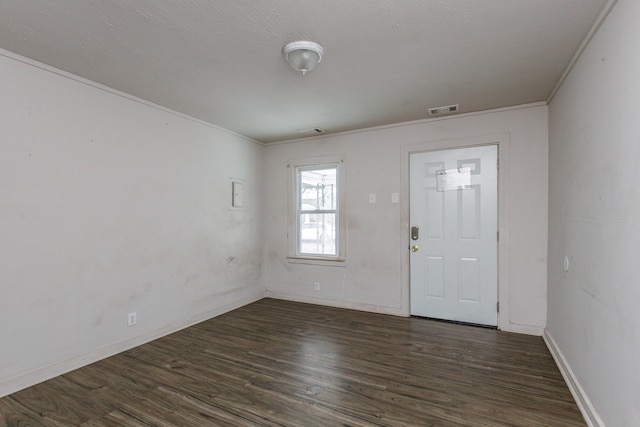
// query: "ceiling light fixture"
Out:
[303,56]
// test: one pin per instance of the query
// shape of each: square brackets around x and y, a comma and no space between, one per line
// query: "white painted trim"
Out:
[410,123]
[592,31]
[23,381]
[503,213]
[582,400]
[524,329]
[112,91]
[371,308]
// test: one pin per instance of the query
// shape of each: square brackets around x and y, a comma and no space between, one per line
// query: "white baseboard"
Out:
[37,376]
[588,411]
[372,308]
[525,329]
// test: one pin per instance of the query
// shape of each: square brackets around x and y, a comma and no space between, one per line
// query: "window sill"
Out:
[328,262]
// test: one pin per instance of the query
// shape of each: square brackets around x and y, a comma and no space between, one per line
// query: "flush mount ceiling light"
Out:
[303,56]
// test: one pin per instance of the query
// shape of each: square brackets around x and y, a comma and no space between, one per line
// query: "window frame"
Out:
[295,211]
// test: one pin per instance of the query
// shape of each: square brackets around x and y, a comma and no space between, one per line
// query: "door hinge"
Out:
[497,236]
[498,306]
[498,164]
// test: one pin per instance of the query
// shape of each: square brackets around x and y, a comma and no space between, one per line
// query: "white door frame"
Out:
[502,140]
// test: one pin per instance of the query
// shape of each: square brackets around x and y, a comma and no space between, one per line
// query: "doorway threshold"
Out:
[456,322]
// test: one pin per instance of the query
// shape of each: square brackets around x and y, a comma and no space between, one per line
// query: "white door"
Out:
[453,234]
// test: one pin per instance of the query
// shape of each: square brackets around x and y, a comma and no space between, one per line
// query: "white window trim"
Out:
[293,257]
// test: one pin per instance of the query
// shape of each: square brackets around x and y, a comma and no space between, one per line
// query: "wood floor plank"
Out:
[279,363]
[12,413]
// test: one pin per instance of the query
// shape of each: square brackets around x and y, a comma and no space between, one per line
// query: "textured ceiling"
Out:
[385,61]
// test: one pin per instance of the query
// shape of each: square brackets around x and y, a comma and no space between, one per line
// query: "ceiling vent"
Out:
[313,131]
[449,109]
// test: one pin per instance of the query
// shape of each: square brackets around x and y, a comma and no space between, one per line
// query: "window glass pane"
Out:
[316,220]
[317,234]
[318,188]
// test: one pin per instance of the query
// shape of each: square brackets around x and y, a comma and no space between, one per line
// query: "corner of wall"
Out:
[582,400]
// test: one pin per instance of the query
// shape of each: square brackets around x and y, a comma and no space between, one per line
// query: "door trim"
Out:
[502,141]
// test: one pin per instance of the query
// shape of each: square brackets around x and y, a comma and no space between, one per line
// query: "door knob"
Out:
[414,248]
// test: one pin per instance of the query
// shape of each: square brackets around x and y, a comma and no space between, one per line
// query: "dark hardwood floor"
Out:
[278,363]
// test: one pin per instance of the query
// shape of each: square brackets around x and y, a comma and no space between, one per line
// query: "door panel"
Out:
[435,214]
[469,213]
[434,267]
[453,202]
[468,280]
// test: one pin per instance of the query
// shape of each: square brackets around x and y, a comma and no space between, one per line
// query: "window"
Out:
[316,211]
[317,208]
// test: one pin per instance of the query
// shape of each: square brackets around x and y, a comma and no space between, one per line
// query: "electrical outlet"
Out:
[131,319]
[316,286]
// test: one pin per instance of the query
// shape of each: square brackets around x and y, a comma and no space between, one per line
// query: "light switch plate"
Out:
[237,193]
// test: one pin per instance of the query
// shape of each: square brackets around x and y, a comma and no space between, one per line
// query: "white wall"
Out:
[108,206]
[594,219]
[376,254]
